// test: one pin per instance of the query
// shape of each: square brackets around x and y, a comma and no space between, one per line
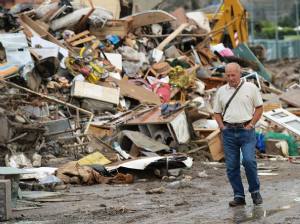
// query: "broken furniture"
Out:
[73,139]
[12,174]
[211,137]
[96,98]
[285,119]
[215,145]
[288,144]
[62,132]
[276,146]
[137,144]
[172,130]
[208,134]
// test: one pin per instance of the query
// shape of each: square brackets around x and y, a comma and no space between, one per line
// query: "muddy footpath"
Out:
[200,195]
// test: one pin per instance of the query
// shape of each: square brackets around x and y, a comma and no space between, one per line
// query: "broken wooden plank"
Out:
[24,208]
[33,25]
[111,27]
[295,111]
[152,117]
[267,174]
[181,17]
[271,106]
[197,149]
[40,30]
[270,89]
[57,199]
[57,13]
[291,97]
[78,36]
[82,41]
[162,45]
[137,92]
[83,21]
[43,25]
[26,29]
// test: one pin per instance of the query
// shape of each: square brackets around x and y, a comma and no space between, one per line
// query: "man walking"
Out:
[237,108]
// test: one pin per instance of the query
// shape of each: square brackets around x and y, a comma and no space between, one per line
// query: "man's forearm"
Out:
[219,119]
[257,115]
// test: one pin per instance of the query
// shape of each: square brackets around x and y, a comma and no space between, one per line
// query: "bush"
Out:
[268,31]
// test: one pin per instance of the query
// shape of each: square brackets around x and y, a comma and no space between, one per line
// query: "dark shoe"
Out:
[257,199]
[237,202]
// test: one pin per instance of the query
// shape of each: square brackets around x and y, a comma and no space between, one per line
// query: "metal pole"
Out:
[252,21]
[276,28]
[297,17]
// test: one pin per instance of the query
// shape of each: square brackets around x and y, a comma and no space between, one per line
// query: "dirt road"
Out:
[203,200]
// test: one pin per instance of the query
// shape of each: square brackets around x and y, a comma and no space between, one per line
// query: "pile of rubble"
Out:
[117,95]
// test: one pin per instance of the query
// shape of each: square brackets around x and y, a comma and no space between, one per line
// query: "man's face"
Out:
[232,75]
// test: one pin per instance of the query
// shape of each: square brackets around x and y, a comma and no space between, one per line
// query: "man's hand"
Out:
[249,126]
[219,120]
[222,127]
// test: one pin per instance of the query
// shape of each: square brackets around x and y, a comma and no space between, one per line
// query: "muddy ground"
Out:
[203,200]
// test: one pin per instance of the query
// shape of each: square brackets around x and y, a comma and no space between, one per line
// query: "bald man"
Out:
[237,127]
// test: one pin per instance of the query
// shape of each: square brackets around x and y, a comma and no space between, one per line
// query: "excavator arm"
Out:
[231,20]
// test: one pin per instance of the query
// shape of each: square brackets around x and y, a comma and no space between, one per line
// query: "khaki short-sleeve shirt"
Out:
[242,106]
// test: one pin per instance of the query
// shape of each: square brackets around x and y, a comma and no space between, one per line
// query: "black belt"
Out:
[236,125]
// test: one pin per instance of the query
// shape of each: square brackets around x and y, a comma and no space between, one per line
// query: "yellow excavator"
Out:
[230,25]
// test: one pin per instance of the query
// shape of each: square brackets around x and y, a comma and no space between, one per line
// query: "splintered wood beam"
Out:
[172,36]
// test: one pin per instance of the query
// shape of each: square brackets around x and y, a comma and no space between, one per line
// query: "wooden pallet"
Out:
[80,38]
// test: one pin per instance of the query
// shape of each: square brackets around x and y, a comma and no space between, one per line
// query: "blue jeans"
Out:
[235,139]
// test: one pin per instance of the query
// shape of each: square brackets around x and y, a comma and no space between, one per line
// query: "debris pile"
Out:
[117,95]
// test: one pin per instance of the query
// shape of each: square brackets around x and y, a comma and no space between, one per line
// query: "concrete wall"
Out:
[5,200]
